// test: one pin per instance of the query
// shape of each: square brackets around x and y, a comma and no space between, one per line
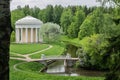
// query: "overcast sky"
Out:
[43,3]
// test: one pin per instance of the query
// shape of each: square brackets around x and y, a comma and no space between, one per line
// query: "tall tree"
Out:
[91,24]
[35,11]
[26,10]
[75,25]
[57,13]
[113,50]
[15,15]
[48,14]
[5,31]
[66,19]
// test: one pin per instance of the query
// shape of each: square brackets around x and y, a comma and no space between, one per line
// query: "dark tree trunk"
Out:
[5,31]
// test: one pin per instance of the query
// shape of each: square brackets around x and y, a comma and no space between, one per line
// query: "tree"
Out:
[114,54]
[57,14]
[92,24]
[48,14]
[114,2]
[66,19]
[75,25]
[50,32]
[41,15]
[5,31]
[26,10]
[93,51]
[15,15]
[34,11]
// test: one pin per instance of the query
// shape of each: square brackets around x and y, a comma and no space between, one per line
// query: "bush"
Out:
[92,52]
[50,32]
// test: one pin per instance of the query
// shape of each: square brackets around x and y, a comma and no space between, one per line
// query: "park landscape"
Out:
[91,34]
[24,70]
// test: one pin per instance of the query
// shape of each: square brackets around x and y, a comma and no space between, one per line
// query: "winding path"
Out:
[26,57]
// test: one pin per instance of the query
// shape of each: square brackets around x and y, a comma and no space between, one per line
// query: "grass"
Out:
[14,55]
[55,50]
[31,74]
[30,66]
[26,48]
[75,41]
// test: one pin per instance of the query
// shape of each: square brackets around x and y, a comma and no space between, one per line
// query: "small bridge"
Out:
[68,60]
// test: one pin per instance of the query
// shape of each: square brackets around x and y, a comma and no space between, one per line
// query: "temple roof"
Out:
[29,20]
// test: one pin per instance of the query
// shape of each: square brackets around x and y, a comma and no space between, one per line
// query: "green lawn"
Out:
[29,66]
[14,55]
[27,48]
[75,41]
[55,50]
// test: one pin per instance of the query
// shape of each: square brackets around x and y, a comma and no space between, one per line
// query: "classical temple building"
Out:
[27,30]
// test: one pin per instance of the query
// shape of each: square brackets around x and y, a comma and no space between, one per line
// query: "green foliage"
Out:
[75,25]
[34,12]
[92,24]
[93,51]
[57,13]
[26,10]
[27,48]
[67,40]
[50,32]
[48,14]
[15,15]
[66,19]
[97,23]
[12,38]
[41,15]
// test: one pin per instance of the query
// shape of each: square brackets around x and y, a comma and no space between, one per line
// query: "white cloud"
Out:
[43,3]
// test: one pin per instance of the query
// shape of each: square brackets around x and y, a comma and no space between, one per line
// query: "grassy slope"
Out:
[75,41]
[55,50]
[27,48]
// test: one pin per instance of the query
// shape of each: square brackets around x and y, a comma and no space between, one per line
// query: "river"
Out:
[57,68]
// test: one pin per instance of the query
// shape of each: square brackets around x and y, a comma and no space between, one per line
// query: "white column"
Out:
[31,35]
[26,33]
[21,35]
[38,35]
[18,33]
[36,30]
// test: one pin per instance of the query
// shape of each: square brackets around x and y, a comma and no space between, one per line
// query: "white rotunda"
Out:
[27,30]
